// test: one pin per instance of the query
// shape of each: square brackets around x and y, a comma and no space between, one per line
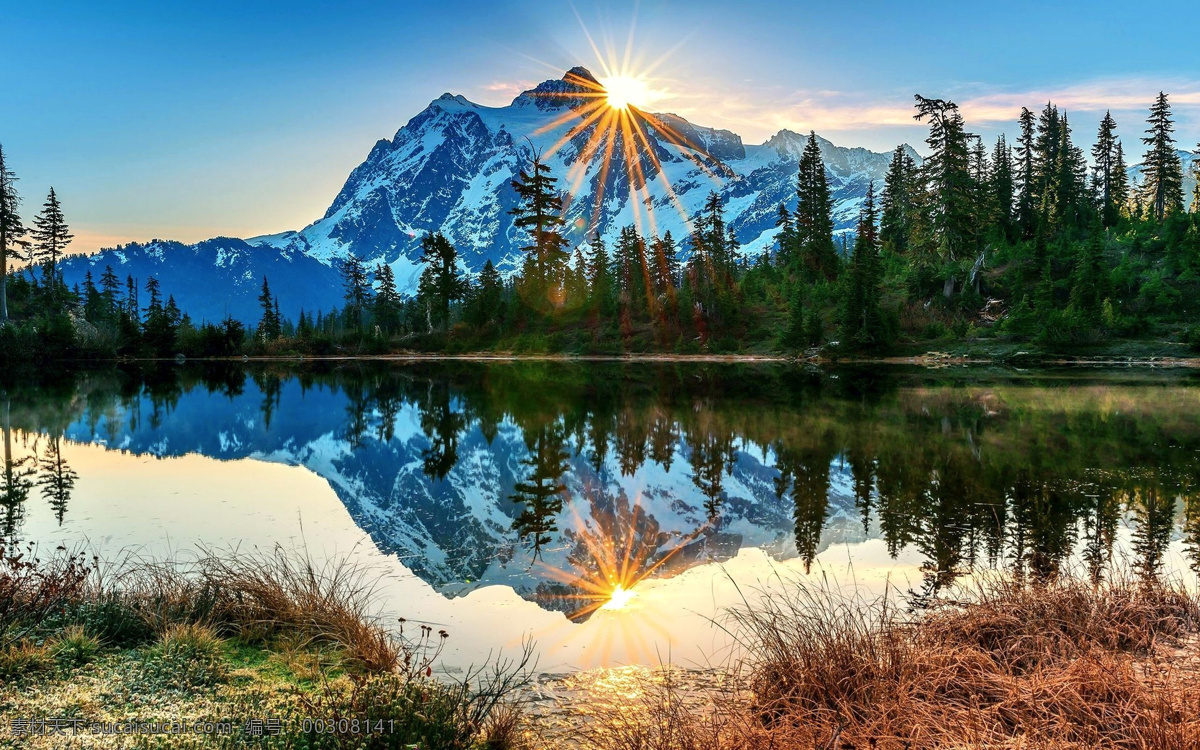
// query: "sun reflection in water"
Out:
[601,582]
[619,598]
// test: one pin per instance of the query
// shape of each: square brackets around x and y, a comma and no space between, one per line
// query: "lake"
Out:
[612,511]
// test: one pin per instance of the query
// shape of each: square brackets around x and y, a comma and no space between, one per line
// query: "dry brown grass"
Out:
[1063,665]
[277,597]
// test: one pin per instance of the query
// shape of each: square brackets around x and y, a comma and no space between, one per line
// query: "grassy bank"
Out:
[1063,665]
[274,651]
[260,651]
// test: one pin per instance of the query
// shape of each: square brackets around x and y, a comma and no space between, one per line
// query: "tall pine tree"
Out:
[387,299]
[1104,159]
[1001,188]
[50,235]
[948,231]
[540,215]
[12,231]
[441,281]
[860,319]
[269,325]
[357,289]
[1026,200]
[1161,167]
[812,219]
[897,201]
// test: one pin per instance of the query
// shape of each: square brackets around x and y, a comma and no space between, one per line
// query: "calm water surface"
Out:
[613,511]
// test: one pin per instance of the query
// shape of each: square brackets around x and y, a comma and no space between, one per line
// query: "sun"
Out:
[619,598]
[625,91]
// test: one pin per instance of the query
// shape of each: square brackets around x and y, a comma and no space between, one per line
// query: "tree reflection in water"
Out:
[599,475]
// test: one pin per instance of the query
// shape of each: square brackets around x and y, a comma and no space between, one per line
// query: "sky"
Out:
[186,121]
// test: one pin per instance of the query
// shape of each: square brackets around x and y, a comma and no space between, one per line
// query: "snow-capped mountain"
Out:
[450,169]
[216,278]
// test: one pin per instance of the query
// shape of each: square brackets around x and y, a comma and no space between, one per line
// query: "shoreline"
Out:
[931,360]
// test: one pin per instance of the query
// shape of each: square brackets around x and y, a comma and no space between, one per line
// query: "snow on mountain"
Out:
[1191,165]
[450,169]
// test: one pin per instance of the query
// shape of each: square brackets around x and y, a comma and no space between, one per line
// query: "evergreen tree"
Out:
[812,218]
[50,234]
[861,321]
[1120,182]
[94,309]
[1046,159]
[441,281]
[796,335]
[632,272]
[785,238]
[487,302]
[541,493]
[12,231]
[1026,198]
[540,215]
[357,288]
[57,480]
[1090,280]
[132,310]
[666,263]
[387,300]
[161,322]
[665,272]
[1104,157]
[1162,169]
[269,326]
[948,222]
[1001,188]
[1068,205]
[600,278]
[110,288]
[154,305]
[897,202]
[576,281]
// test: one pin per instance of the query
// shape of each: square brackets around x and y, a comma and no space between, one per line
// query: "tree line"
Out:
[1025,242]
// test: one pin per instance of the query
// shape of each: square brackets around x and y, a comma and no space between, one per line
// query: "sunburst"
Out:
[607,114]
[612,556]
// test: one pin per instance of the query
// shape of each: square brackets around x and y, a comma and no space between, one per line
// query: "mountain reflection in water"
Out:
[572,483]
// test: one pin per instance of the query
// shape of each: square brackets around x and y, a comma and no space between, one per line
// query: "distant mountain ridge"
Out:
[449,169]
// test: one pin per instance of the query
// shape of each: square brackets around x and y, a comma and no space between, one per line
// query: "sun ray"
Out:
[611,109]
[670,189]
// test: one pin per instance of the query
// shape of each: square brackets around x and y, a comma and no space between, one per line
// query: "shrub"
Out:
[24,658]
[74,647]
[32,591]
[187,655]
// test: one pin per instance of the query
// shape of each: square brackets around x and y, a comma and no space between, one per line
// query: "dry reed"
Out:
[1065,664]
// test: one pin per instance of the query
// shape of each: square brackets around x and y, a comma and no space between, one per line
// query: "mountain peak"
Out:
[573,89]
[580,74]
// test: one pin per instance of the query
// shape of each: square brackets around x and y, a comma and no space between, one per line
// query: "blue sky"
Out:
[189,120]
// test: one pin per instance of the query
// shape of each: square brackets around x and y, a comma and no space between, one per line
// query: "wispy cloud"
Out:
[1116,94]
[501,92]
[879,120]
[758,113]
